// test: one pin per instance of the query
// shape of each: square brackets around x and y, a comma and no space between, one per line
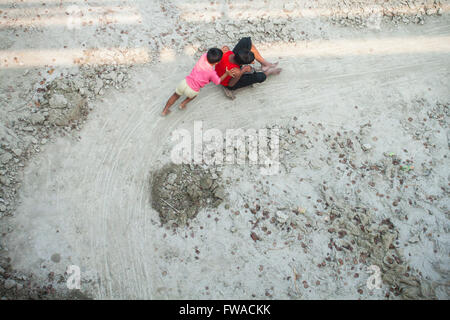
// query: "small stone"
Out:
[205,183]
[366,147]
[414,239]
[6,157]
[98,86]
[219,193]
[58,101]
[111,76]
[5,181]
[171,178]
[9,284]
[254,237]
[281,217]
[37,118]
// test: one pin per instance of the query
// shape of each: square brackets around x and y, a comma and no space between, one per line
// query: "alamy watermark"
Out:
[375,17]
[74,280]
[374,281]
[74,20]
[235,146]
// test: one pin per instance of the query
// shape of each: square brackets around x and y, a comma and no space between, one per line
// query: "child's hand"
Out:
[246,69]
[232,73]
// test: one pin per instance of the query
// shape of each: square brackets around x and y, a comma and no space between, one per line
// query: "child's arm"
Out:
[232,73]
[218,80]
[238,75]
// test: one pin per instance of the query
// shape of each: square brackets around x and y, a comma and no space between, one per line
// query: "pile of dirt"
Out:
[178,192]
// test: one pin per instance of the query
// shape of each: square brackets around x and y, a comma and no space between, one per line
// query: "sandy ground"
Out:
[84,198]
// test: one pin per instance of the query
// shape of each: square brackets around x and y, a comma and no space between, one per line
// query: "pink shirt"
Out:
[202,74]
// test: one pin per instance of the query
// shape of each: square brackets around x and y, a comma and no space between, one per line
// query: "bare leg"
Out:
[185,102]
[169,103]
[265,64]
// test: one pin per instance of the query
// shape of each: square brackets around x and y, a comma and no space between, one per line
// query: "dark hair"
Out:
[214,55]
[244,56]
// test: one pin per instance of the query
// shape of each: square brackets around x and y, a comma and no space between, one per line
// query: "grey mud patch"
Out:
[179,192]
[56,258]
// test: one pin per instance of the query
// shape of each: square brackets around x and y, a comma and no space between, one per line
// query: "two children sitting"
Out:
[223,67]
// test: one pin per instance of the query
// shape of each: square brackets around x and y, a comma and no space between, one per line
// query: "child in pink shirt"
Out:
[202,74]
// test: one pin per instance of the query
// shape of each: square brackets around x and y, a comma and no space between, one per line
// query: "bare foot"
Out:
[229,93]
[271,71]
[269,66]
[165,112]
[182,106]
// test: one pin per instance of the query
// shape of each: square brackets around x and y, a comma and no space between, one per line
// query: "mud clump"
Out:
[64,107]
[65,100]
[179,192]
